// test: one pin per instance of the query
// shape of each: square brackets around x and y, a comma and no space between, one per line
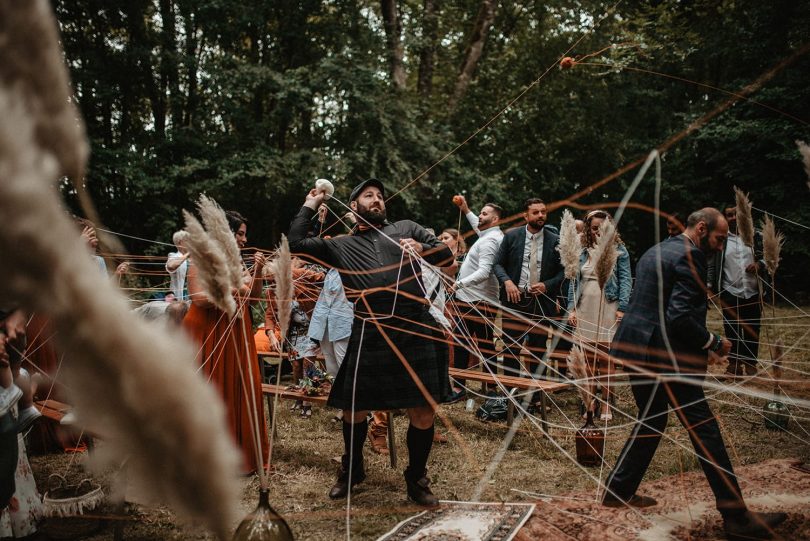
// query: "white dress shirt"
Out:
[476,281]
[527,248]
[735,280]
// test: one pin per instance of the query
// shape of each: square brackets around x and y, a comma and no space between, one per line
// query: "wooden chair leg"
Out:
[392,443]
[543,414]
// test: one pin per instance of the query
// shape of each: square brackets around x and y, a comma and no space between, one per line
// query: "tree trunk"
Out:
[424,84]
[483,22]
[191,64]
[169,77]
[393,35]
[140,48]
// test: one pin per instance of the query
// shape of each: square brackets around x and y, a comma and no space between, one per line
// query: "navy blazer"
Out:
[509,263]
[642,334]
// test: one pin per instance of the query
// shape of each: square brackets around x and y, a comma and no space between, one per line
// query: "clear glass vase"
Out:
[263,524]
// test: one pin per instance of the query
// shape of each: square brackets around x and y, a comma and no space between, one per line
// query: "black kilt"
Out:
[383,382]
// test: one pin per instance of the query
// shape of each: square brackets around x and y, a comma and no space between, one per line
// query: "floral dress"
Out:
[22,522]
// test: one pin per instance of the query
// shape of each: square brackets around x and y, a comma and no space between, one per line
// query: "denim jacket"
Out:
[618,286]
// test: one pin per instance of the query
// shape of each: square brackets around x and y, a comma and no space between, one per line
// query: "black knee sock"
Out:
[419,444]
[358,438]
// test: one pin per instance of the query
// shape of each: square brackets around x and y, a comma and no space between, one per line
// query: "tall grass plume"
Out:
[570,246]
[772,242]
[210,264]
[124,374]
[605,253]
[577,366]
[216,224]
[745,221]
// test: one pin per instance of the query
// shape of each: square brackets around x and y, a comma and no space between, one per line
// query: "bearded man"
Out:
[664,345]
[392,360]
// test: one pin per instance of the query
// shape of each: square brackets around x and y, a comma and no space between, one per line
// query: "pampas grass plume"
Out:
[577,367]
[745,222]
[605,253]
[285,286]
[216,224]
[570,246]
[124,374]
[212,269]
[772,241]
[804,150]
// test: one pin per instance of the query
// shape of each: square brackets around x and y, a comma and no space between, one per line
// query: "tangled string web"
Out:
[745,396]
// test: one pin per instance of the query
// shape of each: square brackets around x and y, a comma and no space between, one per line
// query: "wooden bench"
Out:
[52,409]
[544,387]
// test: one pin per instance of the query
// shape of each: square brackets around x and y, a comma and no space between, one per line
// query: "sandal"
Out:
[295,405]
[306,411]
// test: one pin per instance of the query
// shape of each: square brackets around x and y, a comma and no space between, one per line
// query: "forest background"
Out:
[251,101]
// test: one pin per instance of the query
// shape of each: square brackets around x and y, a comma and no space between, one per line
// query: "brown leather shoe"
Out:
[419,490]
[378,442]
[341,487]
[751,525]
[635,501]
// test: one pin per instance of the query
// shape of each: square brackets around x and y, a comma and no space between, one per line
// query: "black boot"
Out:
[419,489]
[341,486]
[750,525]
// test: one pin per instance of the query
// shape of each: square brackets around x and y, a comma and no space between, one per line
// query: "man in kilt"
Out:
[392,361]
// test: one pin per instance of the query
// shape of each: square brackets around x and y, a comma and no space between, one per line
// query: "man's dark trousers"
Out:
[653,398]
[741,319]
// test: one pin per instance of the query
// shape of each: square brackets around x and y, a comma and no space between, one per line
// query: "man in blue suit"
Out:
[530,273]
[664,345]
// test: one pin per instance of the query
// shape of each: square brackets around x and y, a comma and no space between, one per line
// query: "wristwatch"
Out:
[718,341]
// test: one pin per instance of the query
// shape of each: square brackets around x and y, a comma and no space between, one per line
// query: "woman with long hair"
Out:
[227,353]
[595,312]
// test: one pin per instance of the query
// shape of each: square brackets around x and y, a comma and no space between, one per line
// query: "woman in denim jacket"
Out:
[586,299]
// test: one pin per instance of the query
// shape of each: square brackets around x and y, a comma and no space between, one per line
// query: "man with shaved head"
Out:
[665,346]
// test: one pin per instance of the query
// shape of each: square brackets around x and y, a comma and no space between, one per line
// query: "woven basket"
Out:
[65,500]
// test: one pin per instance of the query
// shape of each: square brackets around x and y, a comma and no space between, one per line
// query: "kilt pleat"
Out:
[373,376]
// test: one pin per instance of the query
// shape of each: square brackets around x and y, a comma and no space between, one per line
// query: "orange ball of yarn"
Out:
[567,62]
[457,199]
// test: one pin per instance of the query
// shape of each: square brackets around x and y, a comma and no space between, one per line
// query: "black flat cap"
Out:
[363,185]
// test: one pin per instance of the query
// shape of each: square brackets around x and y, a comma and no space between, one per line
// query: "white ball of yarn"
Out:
[323,185]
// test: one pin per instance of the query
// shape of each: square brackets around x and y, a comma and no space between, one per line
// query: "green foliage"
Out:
[250,102]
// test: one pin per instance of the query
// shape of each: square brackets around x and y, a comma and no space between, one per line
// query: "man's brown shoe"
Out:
[341,487]
[635,501]
[751,525]
[419,490]
[378,442]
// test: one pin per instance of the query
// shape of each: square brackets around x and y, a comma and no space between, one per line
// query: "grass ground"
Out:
[533,463]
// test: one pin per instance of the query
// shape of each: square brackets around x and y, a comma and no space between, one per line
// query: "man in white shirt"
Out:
[734,274]
[476,288]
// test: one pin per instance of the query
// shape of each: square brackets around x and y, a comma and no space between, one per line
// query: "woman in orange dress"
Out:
[227,354]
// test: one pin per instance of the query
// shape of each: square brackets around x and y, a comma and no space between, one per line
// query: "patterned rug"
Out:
[463,521]
[685,509]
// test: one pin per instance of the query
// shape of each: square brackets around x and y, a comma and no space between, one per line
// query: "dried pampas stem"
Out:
[605,253]
[285,287]
[777,352]
[216,224]
[577,366]
[745,222]
[804,150]
[123,372]
[212,269]
[570,246]
[772,241]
